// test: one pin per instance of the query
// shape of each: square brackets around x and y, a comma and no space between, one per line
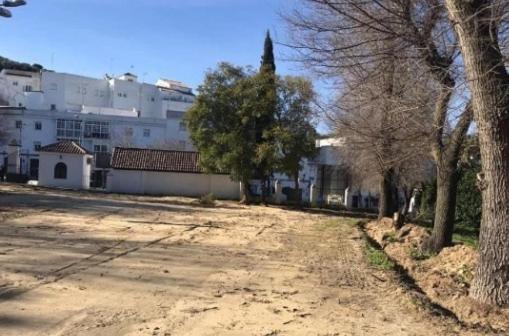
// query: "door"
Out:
[34,169]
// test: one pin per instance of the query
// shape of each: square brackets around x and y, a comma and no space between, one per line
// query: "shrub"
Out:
[468,205]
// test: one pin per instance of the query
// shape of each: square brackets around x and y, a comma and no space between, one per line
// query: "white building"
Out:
[65,165]
[99,114]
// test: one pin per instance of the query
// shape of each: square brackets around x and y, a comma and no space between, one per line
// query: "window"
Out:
[15,83]
[129,131]
[100,149]
[68,129]
[146,132]
[152,99]
[125,95]
[174,114]
[38,125]
[97,129]
[60,171]
[119,94]
[53,107]
[19,124]
[182,126]
[37,146]
[27,88]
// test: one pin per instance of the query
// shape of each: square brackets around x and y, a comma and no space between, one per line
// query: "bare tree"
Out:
[385,115]
[481,26]
[331,36]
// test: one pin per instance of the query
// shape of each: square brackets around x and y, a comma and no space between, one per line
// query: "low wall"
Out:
[172,184]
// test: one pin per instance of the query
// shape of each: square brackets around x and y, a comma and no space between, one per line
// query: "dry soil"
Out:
[94,264]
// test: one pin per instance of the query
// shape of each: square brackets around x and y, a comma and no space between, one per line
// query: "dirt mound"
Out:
[445,278]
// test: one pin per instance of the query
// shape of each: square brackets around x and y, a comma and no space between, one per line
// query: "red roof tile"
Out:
[66,147]
[155,160]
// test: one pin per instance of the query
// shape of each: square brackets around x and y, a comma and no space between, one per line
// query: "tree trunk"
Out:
[445,209]
[297,190]
[386,205]
[404,210]
[447,185]
[477,28]
[245,197]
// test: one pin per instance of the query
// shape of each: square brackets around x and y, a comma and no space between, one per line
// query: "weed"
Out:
[378,258]
[419,254]
[390,237]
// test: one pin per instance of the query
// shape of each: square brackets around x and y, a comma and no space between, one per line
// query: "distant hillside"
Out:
[6,63]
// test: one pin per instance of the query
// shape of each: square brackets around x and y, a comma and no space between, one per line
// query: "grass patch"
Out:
[390,237]
[467,235]
[378,258]
[463,234]
[418,254]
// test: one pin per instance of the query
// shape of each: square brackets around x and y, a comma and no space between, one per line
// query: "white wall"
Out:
[12,86]
[176,184]
[78,170]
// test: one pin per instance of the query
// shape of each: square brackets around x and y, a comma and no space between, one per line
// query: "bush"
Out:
[428,200]
[468,205]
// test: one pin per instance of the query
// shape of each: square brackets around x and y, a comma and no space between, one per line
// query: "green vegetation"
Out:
[419,254]
[378,258]
[390,237]
[251,124]
[6,63]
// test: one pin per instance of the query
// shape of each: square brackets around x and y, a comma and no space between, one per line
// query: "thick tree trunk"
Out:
[445,209]
[447,185]
[245,193]
[386,204]
[477,28]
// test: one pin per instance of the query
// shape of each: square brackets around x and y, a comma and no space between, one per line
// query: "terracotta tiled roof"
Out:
[155,160]
[66,147]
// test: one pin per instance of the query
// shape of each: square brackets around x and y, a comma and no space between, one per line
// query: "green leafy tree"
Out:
[295,134]
[220,124]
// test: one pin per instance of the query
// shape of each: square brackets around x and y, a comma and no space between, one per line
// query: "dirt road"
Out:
[92,264]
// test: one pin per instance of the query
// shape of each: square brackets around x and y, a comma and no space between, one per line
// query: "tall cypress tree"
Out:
[264,120]
[268,60]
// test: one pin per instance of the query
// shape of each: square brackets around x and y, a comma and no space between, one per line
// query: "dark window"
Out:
[53,107]
[61,171]
[19,124]
[38,125]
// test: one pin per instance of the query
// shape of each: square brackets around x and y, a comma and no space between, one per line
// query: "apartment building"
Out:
[41,108]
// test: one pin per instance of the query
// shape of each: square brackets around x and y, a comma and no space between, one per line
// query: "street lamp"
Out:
[10,4]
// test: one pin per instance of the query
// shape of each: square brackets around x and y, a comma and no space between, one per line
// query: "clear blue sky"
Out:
[178,39]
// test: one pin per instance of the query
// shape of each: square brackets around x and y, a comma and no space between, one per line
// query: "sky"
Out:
[176,39]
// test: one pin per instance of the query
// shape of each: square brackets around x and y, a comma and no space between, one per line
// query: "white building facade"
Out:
[99,114]
[65,165]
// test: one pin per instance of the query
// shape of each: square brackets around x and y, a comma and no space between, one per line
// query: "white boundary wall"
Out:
[173,184]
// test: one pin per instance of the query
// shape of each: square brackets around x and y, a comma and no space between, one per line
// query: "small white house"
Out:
[164,172]
[65,165]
